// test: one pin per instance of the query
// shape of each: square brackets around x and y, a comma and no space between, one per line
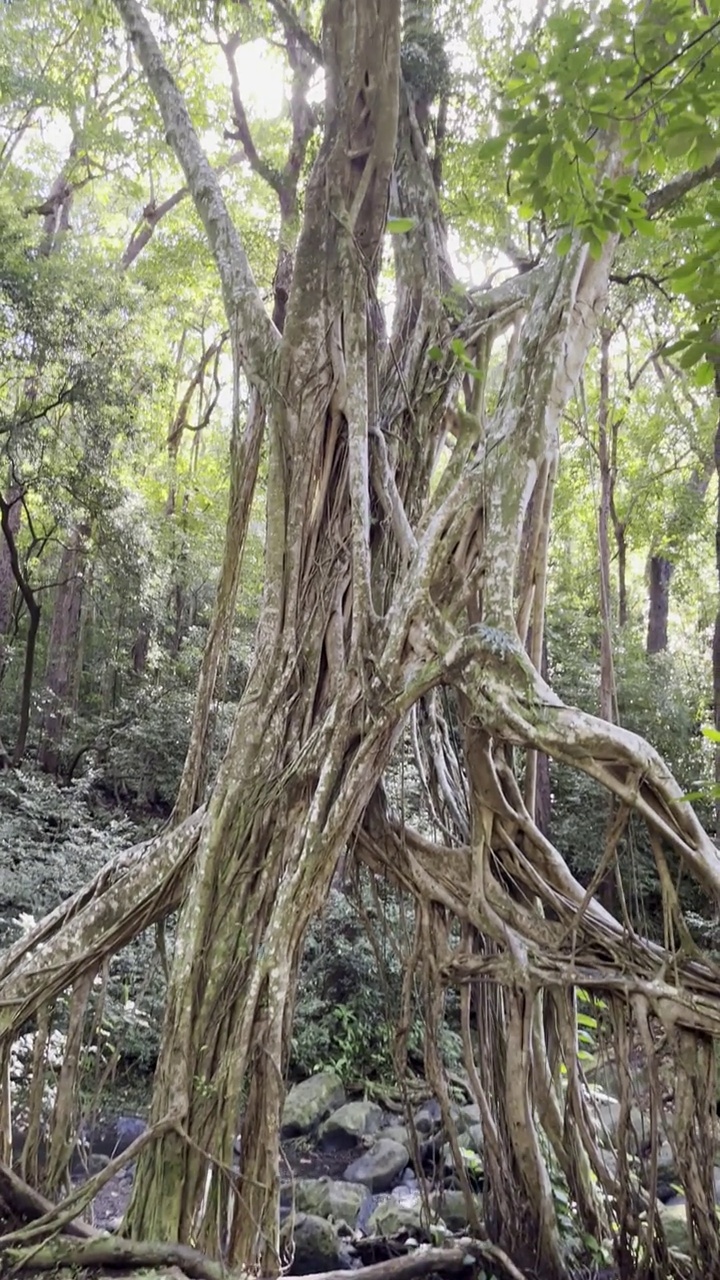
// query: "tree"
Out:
[407,537]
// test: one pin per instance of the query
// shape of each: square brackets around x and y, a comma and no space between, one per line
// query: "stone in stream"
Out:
[394,1215]
[309,1102]
[468,1114]
[313,1245]
[451,1207]
[344,1128]
[428,1117]
[398,1133]
[380,1167]
[328,1198]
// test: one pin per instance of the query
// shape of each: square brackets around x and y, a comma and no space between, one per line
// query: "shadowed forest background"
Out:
[360,638]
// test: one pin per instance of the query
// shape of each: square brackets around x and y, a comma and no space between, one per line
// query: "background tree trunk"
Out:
[65,648]
[13,507]
[660,572]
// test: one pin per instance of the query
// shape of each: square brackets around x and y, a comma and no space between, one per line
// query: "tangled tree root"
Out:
[112,1253]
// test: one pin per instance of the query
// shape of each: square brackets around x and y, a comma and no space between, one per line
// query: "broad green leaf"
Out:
[400,226]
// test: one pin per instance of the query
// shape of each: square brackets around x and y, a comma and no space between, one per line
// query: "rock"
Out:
[112,1137]
[472,1159]
[344,1128]
[327,1198]
[398,1133]
[428,1117]
[605,1113]
[380,1166]
[468,1114]
[668,1178]
[315,1245]
[309,1102]
[451,1207]
[639,1136]
[473,1139]
[674,1221]
[394,1215]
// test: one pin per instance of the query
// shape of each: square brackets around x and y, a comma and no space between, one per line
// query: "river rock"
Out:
[379,1168]
[668,1177]
[394,1215]
[315,1245]
[472,1139]
[398,1133]
[468,1114]
[451,1207]
[346,1126]
[428,1116]
[327,1198]
[310,1101]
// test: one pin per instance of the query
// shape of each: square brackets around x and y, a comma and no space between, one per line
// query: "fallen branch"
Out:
[28,1203]
[49,1217]
[114,1253]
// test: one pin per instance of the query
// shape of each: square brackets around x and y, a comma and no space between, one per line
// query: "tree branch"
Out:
[293,26]
[153,213]
[257,335]
[242,133]
[679,187]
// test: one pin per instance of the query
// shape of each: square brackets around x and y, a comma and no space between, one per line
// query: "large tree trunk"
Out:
[299,770]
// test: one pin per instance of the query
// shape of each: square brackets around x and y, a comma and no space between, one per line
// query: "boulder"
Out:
[668,1177]
[451,1207]
[313,1244]
[604,1112]
[428,1117]
[472,1139]
[380,1167]
[346,1126]
[398,1133]
[309,1102]
[327,1198]
[468,1114]
[472,1159]
[394,1215]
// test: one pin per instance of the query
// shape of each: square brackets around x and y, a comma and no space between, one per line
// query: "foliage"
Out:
[51,840]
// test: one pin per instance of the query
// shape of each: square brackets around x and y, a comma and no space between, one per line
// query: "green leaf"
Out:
[400,226]
[492,147]
[563,245]
[543,162]
[585,1020]
[435,353]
